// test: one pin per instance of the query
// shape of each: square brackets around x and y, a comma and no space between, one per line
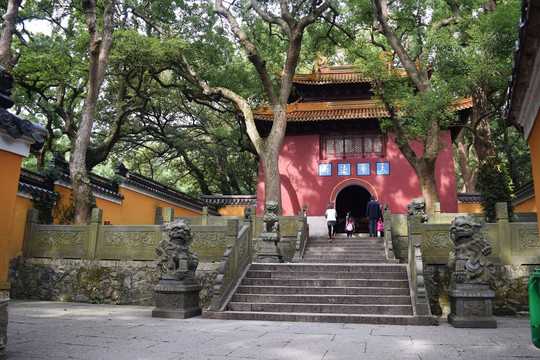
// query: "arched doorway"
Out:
[353,198]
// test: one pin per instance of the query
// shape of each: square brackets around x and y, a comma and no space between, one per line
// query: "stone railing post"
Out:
[168,216]
[232,231]
[248,221]
[204,220]
[31,222]
[505,241]
[389,245]
[97,216]
[437,215]
[253,220]
[159,216]
[416,265]
[301,234]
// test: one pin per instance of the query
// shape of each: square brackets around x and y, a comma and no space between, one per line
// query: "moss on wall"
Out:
[510,283]
[110,282]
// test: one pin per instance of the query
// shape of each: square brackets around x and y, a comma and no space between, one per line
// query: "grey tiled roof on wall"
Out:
[468,198]
[99,184]
[37,185]
[176,196]
[14,125]
[230,200]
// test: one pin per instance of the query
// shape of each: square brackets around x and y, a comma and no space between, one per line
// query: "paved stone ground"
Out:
[57,330]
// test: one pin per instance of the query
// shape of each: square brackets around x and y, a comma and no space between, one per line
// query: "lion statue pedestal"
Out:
[269,252]
[469,292]
[177,292]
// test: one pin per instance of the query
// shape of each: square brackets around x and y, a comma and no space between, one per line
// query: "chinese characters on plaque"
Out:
[362,169]
[325,169]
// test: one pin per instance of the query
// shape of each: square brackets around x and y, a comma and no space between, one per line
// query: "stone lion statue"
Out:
[270,219]
[417,207]
[175,260]
[469,261]
[247,212]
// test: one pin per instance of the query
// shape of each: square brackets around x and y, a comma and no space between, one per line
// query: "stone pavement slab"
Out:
[56,330]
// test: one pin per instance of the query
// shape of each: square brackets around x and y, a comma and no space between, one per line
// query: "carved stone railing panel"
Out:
[436,243]
[127,242]
[233,265]
[288,226]
[113,242]
[209,242]
[525,246]
[61,241]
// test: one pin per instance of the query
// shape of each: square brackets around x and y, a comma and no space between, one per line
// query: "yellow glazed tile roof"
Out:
[344,110]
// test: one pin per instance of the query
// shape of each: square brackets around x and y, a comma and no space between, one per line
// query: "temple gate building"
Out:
[335,152]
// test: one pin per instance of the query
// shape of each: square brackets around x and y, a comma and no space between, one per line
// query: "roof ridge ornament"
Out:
[321,64]
[387,56]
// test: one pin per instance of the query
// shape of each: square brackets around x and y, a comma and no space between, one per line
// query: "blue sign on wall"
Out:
[363,169]
[344,169]
[383,168]
[325,169]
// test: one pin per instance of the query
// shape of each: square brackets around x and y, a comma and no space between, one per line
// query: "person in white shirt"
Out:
[331,221]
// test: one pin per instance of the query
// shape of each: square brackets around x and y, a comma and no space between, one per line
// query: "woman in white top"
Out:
[331,221]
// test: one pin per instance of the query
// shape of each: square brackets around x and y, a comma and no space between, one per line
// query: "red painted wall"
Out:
[301,184]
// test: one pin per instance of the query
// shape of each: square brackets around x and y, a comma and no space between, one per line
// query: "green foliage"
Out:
[44,206]
[494,185]
[50,209]
[65,214]
[172,133]
[52,172]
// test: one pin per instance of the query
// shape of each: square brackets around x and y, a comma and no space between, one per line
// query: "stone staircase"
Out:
[348,280]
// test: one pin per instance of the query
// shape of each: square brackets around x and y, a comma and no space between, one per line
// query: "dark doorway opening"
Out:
[353,198]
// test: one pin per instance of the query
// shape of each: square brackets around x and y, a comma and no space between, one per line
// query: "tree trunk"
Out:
[272,177]
[100,46]
[482,142]
[428,183]
[268,149]
[463,157]
[7,60]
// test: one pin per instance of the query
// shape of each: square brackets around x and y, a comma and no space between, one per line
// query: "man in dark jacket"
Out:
[373,213]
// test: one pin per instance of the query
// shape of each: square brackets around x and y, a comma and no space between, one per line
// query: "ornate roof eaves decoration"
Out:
[144,183]
[18,127]
[37,185]
[324,75]
[14,125]
[346,74]
[523,193]
[339,110]
[522,95]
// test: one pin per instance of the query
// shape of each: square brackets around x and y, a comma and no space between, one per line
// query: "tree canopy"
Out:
[179,72]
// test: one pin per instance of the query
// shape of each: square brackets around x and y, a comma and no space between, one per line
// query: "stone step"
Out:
[343,242]
[329,256]
[318,308]
[323,299]
[350,261]
[363,268]
[348,280]
[379,319]
[342,251]
[322,274]
[327,282]
[335,290]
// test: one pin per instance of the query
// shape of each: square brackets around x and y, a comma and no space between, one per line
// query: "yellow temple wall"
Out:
[9,182]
